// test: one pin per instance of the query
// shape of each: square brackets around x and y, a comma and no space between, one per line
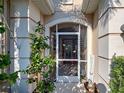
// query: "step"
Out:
[69,88]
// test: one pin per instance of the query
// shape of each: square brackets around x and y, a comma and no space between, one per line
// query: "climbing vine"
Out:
[4,63]
[41,66]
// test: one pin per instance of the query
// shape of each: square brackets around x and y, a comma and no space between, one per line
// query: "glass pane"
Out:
[67,1]
[68,27]
[83,43]
[68,46]
[83,69]
[53,41]
[68,68]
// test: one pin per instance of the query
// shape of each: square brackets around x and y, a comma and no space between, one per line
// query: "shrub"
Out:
[117,75]
[40,65]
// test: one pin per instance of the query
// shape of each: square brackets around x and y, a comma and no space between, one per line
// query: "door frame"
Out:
[67,78]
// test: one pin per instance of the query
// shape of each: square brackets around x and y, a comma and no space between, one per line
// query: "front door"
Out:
[67,57]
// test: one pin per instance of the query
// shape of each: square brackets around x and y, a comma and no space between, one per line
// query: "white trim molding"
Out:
[68,78]
[67,2]
[73,19]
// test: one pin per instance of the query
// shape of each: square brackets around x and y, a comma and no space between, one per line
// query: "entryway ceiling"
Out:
[89,6]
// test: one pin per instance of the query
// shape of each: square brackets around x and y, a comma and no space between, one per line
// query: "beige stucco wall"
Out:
[64,10]
[95,44]
[23,17]
[101,46]
[116,37]
[109,39]
[33,11]
[19,27]
[116,3]
[103,6]
[69,7]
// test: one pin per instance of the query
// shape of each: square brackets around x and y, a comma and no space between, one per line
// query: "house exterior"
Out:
[84,36]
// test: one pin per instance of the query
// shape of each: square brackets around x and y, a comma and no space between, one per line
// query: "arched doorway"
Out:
[69,48]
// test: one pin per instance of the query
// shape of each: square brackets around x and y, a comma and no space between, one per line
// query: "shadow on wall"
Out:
[122,36]
[64,11]
[112,11]
[107,13]
[105,7]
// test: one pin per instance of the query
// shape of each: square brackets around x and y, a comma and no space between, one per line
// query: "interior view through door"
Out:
[67,57]
[69,48]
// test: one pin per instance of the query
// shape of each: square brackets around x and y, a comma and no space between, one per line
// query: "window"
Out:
[67,1]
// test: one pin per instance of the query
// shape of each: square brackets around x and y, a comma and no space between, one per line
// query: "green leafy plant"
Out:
[4,61]
[40,64]
[10,78]
[2,28]
[1,6]
[45,86]
[4,58]
[117,75]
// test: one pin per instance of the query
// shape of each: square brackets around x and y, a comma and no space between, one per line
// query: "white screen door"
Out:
[68,56]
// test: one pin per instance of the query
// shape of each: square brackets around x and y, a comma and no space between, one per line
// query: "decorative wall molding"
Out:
[23,18]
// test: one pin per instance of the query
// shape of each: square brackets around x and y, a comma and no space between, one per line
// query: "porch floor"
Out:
[69,88]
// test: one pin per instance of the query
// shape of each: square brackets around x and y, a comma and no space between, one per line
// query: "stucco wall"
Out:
[19,28]
[23,17]
[95,44]
[116,37]
[101,45]
[101,50]
[116,3]
[110,38]
[102,7]
[64,10]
